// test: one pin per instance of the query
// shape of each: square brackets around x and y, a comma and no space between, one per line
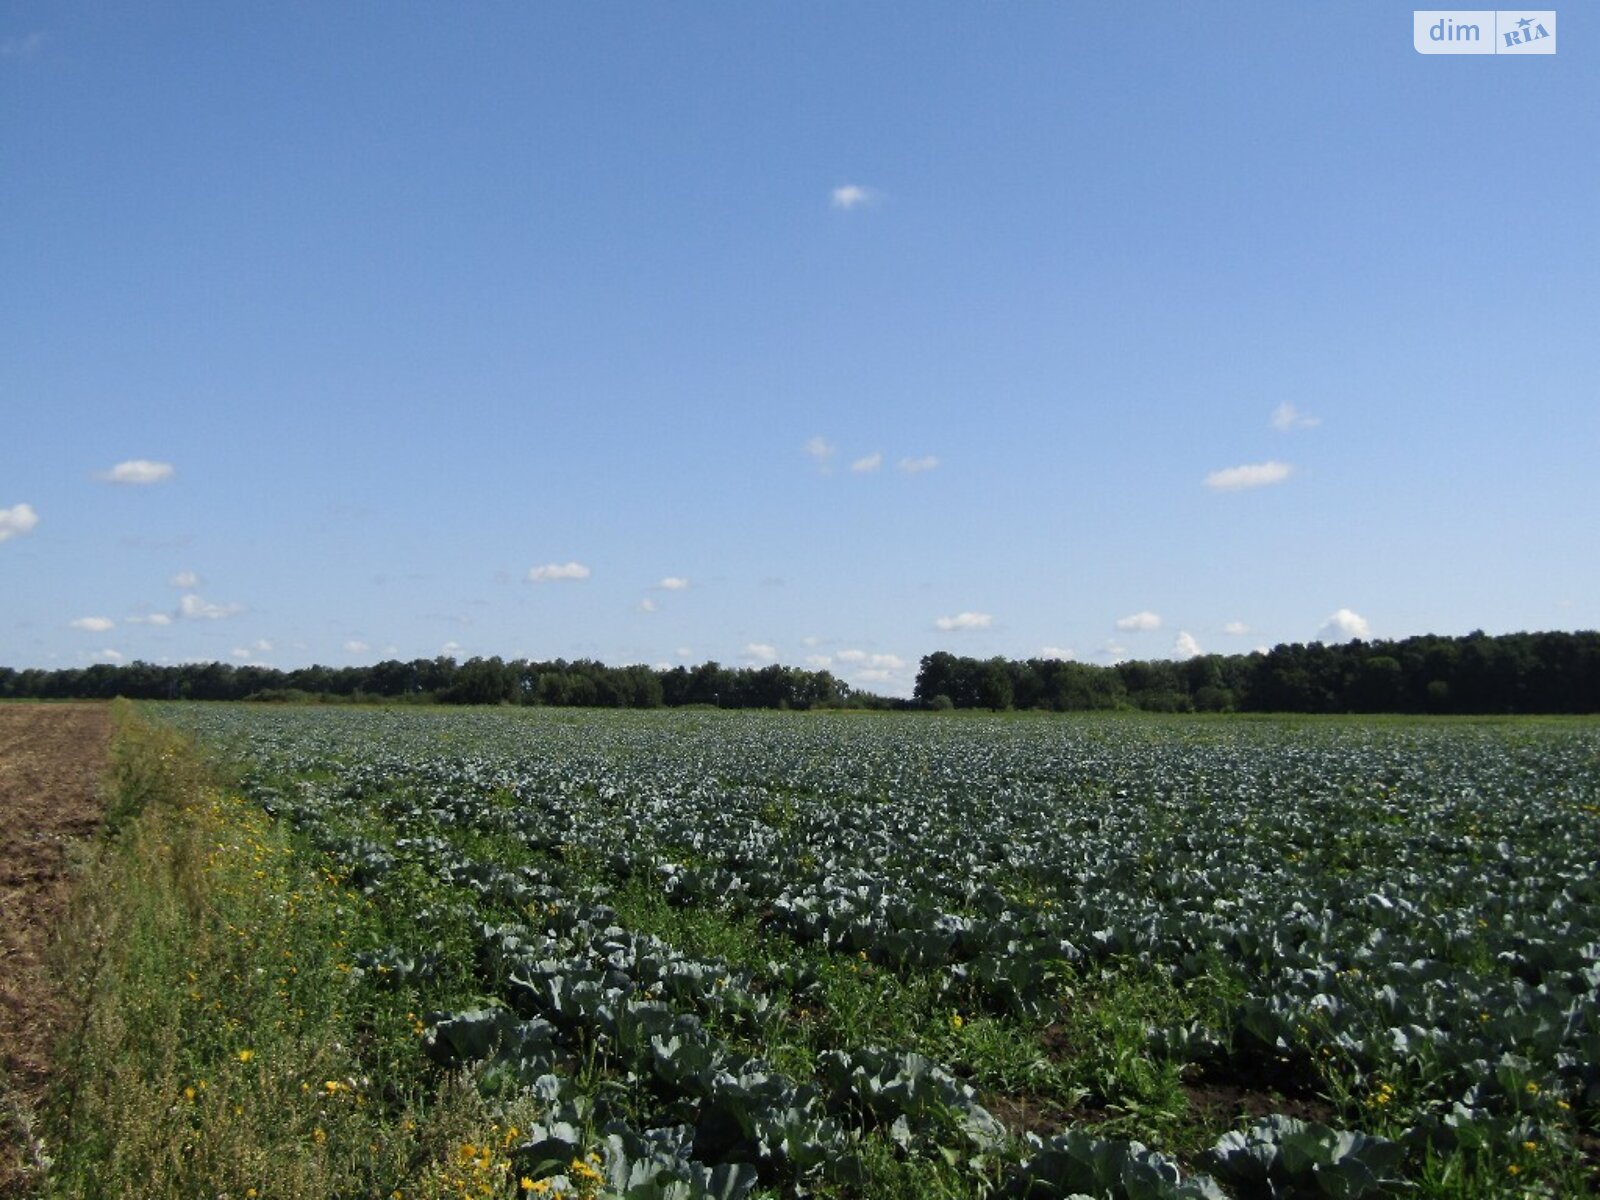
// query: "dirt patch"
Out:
[53,759]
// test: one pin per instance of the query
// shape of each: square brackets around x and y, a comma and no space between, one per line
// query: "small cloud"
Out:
[554,572]
[870,463]
[1186,646]
[966,620]
[1236,629]
[1143,622]
[818,661]
[1059,653]
[241,653]
[647,605]
[820,451]
[137,471]
[1252,475]
[353,646]
[111,655]
[451,648]
[151,619]
[915,466]
[1114,652]
[1344,625]
[760,652]
[1286,416]
[24,46]
[853,195]
[684,652]
[673,583]
[192,607]
[185,579]
[93,624]
[873,662]
[16,521]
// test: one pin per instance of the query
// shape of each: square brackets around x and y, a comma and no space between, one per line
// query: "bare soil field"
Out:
[53,760]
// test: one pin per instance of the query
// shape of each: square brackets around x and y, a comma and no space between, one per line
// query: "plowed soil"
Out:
[53,759]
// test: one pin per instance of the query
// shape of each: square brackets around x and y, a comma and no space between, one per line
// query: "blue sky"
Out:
[828,333]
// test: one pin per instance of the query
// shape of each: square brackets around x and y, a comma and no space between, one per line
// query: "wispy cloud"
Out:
[16,521]
[870,462]
[820,451]
[1060,653]
[158,618]
[849,196]
[673,583]
[1343,625]
[915,466]
[1236,629]
[819,662]
[185,579]
[24,45]
[137,471]
[1286,417]
[93,624]
[558,572]
[862,660]
[356,646]
[966,620]
[1251,475]
[1186,646]
[192,607]
[760,652]
[1141,621]
[648,605]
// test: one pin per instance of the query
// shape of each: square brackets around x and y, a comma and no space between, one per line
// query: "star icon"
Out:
[1525,22]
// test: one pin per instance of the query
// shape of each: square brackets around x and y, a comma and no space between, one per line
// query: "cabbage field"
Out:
[767,954]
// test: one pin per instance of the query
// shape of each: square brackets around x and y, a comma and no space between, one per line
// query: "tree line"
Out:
[1510,673]
[443,680]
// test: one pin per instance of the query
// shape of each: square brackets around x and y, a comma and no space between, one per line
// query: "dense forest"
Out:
[1512,673]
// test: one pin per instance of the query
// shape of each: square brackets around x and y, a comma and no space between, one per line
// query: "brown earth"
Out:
[53,759]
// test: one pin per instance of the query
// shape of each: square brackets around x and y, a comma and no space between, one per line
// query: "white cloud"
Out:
[818,661]
[1251,475]
[673,583]
[1286,416]
[853,195]
[1061,653]
[821,451]
[354,646]
[966,620]
[647,605]
[873,662]
[1236,629]
[1344,625]
[915,466]
[552,572]
[241,653]
[869,463]
[1114,652]
[1186,646]
[137,470]
[151,619]
[1141,621]
[451,648]
[684,652]
[16,521]
[25,46]
[93,624]
[185,579]
[111,655]
[760,652]
[194,608]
